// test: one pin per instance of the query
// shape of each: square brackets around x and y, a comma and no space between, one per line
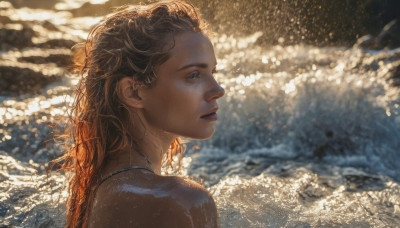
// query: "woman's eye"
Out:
[193,75]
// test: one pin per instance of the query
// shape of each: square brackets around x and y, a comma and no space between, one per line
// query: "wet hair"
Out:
[131,42]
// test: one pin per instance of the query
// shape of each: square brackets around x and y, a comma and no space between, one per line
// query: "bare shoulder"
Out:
[199,202]
[159,201]
[186,190]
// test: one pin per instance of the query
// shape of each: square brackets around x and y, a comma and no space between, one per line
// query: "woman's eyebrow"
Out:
[201,65]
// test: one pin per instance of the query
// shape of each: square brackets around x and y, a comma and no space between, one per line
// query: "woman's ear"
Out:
[130,92]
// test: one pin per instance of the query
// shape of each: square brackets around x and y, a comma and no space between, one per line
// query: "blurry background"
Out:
[309,129]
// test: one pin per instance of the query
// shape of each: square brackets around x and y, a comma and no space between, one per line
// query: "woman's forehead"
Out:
[187,39]
[192,47]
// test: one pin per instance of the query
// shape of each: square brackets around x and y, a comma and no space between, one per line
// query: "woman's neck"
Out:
[146,146]
[148,151]
[153,146]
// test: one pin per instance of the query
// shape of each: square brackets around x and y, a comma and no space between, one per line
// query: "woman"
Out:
[148,79]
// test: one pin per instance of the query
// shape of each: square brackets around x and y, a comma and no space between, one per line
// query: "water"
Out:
[307,136]
[331,105]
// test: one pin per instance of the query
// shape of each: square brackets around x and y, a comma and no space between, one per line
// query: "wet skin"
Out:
[140,199]
[182,102]
[185,89]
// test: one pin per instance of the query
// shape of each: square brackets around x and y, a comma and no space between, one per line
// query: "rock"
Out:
[50,26]
[389,37]
[61,60]
[5,5]
[90,9]
[57,43]
[35,4]
[15,80]
[5,20]
[15,37]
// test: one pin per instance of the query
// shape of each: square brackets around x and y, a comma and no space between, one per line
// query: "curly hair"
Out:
[131,42]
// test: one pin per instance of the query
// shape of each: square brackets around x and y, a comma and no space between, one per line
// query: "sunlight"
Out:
[98,1]
[290,87]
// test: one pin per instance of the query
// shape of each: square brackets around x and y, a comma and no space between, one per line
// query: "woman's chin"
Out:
[206,134]
[201,135]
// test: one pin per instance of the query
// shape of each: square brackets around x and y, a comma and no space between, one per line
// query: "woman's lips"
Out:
[211,116]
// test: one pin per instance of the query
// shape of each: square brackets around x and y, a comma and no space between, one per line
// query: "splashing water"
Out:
[307,137]
[325,104]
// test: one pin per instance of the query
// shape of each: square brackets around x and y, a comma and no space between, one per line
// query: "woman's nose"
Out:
[216,91]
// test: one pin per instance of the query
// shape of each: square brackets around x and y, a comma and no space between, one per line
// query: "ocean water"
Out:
[307,136]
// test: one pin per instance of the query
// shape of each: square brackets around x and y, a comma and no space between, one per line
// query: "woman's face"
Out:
[183,100]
